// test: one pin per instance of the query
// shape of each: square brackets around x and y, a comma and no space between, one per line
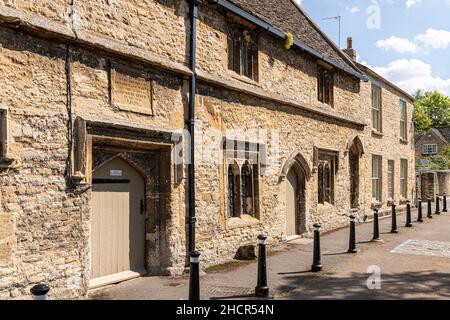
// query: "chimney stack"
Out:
[350,51]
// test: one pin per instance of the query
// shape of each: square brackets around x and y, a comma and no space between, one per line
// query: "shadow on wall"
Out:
[414,285]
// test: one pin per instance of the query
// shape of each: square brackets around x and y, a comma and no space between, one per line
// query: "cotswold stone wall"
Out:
[388,144]
[289,74]
[45,225]
[46,232]
[219,236]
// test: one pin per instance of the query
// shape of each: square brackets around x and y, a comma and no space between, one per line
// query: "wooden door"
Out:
[291,203]
[118,223]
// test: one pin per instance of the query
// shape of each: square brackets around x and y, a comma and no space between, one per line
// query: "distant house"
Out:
[432,143]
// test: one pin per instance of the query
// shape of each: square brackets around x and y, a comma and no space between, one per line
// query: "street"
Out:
[413,264]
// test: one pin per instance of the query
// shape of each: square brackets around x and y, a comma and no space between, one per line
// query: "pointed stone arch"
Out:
[128,160]
[298,161]
[355,144]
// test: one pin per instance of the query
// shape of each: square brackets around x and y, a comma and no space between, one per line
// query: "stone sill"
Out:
[243,221]
[244,79]
[377,133]
[403,141]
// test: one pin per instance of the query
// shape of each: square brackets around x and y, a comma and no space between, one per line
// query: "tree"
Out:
[421,120]
[432,109]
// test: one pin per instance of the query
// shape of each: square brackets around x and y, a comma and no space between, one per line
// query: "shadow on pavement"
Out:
[415,285]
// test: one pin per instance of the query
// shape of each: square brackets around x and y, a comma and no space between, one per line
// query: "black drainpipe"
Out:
[191,124]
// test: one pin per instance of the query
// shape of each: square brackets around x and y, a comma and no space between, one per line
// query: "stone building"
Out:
[432,181]
[95,103]
[433,143]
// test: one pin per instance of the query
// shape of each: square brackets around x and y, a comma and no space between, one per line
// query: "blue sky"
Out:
[406,41]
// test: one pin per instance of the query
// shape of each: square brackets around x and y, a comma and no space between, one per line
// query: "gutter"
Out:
[191,219]
[282,35]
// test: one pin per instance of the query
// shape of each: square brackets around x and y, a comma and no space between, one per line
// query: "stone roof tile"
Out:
[286,16]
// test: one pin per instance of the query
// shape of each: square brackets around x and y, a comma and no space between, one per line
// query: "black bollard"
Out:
[394,219]
[419,211]
[352,240]
[194,276]
[376,226]
[444,205]
[438,206]
[408,215]
[262,290]
[429,213]
[40,291]
[317,264]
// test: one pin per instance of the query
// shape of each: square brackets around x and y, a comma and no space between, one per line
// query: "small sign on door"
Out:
[115,173]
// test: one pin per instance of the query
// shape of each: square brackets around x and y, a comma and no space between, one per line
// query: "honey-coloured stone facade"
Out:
[57,87]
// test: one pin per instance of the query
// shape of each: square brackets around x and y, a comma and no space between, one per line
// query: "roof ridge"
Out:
[439,134]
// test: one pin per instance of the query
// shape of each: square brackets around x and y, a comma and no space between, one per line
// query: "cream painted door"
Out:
[118,223]
[291,203]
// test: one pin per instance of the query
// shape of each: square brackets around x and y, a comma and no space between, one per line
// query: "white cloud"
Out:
[432,38]
[299,2]
[436,39]
[399,45]
[413,74]
[353,9]
[412,3]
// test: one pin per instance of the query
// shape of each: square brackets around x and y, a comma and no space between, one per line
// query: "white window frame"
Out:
[391,179]
[428,149]
[377,120]
[403,120]
[377,175]
[404,178]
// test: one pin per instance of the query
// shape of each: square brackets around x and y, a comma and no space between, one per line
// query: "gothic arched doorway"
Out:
[296,177]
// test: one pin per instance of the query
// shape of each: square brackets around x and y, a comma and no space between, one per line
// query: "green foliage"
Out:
[440,162]
[431,109]
[421,120]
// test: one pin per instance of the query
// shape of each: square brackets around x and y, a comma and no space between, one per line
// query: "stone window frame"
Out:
[377,108]
[429,149]
[243,154]
[327,168]
[241,38]
[404,178]
[5,158]
[325,84]
[233,190]
[377,177]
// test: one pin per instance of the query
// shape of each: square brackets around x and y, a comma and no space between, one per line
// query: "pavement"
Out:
[412,264]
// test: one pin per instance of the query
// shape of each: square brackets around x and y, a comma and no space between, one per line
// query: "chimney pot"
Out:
[349,43]
[349,50]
